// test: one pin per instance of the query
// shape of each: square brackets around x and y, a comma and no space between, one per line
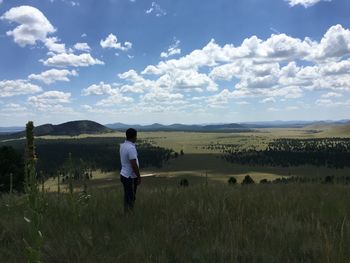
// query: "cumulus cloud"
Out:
[52,45]
[172,50]
[99,89]
[33,25]
[65,60]
[156,10]
[116,99]
[51,101]
[331,95]
[115,96]
[10,88]
[331,104]
[53,75]
[268,100]
[186,80]
[267,70]
[162,96]
[334,44]
[14,109]
[112,42]
[82,47]
[305,3]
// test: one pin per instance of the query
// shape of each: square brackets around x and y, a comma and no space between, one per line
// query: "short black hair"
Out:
[130,133]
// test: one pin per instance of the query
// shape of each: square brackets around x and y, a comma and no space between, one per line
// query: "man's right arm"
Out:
[136,169]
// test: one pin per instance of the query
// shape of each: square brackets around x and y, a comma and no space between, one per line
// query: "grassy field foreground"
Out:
[215,223]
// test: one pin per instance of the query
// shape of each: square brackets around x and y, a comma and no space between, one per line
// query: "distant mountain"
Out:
[237,127]
[11,129]
[292,124]
[71,128]
[181,127]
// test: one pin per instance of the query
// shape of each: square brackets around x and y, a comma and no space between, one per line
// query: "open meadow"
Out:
[199,161]
[207,221]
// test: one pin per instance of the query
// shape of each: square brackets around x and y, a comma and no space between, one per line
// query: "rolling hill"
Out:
[71,128]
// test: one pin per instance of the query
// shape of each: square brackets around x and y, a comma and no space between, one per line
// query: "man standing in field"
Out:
[130,173]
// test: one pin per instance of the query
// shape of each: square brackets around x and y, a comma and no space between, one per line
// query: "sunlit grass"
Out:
[218,223]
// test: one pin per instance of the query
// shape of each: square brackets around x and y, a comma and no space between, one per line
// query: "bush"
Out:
[11,163]
[247,180]
[329,179]
[264,181]
[232,181]
[184,182]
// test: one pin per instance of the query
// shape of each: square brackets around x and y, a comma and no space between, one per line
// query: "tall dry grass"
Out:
[218,223]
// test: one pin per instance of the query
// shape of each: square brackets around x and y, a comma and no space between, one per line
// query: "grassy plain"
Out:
[208,221]
[198,161]
[214,223]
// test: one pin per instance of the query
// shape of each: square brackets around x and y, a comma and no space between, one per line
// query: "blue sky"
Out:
[174,61]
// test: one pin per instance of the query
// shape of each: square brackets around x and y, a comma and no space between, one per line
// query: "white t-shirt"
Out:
[128,152]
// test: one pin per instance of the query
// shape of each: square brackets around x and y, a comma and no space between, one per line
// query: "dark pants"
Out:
[130,186]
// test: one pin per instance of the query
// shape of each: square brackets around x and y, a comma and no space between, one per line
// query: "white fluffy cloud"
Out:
[53,75]
[51,101]
[331,104]
[10,88]
[112,42]
[331,95]
[172,50]
[65,60]
[53,46]
[175,79]
[13,107]
[113,100]
[99,89]
[156,10]
[305,3]
[162,96]
[82,47]
[334,44]
[33,25]
[115,96]
[268,70]
[14,110]
[268,100]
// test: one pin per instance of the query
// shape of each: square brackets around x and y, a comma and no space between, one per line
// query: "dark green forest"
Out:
[92,153]
[285,152]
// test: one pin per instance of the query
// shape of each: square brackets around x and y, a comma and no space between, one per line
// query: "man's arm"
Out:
[136,170]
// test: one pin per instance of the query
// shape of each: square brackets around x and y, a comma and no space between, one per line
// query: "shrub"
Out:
[247,180]
[232,181]
[184,182]
[264,181]
[329,179]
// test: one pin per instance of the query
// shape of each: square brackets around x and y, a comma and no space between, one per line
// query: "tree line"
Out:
[285,152]
[85,155]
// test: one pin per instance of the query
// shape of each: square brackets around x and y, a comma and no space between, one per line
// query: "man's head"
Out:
[131,135]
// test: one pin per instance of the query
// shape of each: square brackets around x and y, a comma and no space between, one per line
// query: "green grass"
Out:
[218,223]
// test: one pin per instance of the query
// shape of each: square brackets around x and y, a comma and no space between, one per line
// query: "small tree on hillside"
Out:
[184,182]
[329,179]
[247,180]
[232,181]
[264,181]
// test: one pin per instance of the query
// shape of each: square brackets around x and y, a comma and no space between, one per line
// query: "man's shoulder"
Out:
[128,146]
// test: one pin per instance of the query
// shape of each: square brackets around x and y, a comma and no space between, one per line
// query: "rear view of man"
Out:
[129,174]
